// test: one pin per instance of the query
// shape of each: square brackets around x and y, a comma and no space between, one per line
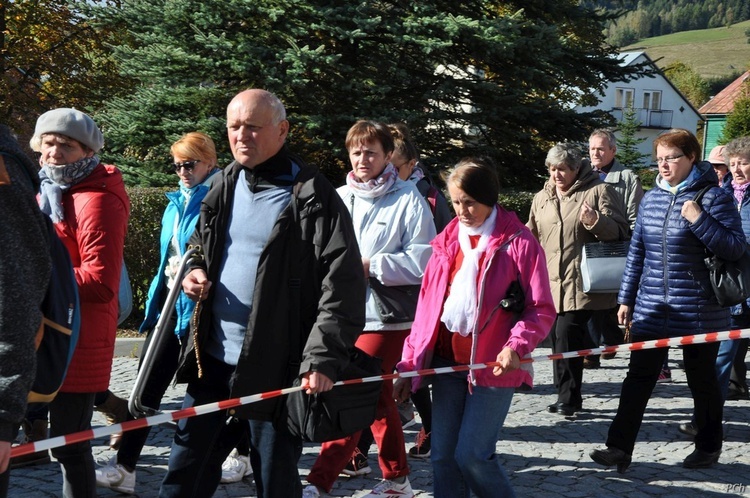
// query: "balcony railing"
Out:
[648,118]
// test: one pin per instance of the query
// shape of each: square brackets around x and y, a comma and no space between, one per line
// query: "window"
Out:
[624,97]
[652,100]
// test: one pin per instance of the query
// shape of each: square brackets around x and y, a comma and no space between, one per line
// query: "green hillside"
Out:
[713,53]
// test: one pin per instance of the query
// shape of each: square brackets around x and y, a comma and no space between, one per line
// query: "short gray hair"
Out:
[737,147]
[604,133]
[564,153]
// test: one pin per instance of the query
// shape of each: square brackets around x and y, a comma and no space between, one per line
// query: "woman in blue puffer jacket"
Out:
[666,292]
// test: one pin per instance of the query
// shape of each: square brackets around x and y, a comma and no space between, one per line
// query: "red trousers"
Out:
[386,429]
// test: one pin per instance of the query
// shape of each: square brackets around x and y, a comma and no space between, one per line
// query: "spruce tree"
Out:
[738,121]
[627,142]
[476,77]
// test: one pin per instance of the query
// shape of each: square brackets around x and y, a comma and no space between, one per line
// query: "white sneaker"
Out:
[391,489]
[406,412]
[235,468]
[116,477]
[310,492]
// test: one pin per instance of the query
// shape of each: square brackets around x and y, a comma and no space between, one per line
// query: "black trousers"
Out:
[644,368]
[603,329]
[569,333]
[162,372]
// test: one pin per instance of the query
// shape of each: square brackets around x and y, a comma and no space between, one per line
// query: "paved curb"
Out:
[129,347]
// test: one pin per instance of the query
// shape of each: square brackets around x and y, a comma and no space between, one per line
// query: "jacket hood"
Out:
[584,179]
[707,177]
[104,177]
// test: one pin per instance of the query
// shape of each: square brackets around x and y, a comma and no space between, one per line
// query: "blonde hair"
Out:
[195,145]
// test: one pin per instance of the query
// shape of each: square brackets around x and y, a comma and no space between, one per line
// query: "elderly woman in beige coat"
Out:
[574,207]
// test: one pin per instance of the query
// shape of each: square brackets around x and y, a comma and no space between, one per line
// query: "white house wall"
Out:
[683,114]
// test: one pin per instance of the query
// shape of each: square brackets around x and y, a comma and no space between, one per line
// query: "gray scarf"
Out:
[56,180]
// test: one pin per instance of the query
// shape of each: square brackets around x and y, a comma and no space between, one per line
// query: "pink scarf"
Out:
[739,191]
[374,188]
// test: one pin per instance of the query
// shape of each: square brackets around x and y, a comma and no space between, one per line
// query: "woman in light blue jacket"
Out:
[393,225]
[195,164]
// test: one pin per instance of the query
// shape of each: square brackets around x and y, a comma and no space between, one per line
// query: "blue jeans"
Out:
[465,430]
[725,357]
[202,443]
[724,361]
[727,352]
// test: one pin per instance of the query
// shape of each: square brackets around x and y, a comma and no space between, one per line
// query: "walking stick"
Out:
[159,334]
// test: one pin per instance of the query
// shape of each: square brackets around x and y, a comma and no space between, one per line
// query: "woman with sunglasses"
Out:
[194,162]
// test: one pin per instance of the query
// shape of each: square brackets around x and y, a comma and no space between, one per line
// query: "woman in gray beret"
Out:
[87,202]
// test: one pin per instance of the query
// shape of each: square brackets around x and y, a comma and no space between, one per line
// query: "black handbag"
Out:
[343,410]
[395,303]
[730,280]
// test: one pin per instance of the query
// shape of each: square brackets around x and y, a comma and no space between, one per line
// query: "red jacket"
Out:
[93,231]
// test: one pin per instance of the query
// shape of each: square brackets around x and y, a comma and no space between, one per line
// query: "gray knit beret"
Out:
[71,123]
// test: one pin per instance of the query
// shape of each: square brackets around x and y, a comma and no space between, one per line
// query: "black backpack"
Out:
[58,334]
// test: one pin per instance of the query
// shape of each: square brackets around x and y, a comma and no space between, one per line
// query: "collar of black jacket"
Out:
[277,171]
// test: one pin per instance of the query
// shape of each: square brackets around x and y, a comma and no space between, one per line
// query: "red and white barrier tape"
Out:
[162,418]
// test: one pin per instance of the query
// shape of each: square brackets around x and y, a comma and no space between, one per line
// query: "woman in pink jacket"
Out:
[483,256]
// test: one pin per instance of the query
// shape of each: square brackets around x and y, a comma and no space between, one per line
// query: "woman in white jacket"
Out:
[394,227]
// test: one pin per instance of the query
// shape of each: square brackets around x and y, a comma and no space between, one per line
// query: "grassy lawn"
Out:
[711,52]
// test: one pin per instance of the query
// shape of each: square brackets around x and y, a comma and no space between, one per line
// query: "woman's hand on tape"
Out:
[196,285]
[401,389]
[316,382]
[508,360]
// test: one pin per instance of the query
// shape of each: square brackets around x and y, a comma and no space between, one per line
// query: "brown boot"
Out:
[115,410]
[33,431]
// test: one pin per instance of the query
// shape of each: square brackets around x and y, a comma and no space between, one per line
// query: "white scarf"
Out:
[375,187]
[461,307]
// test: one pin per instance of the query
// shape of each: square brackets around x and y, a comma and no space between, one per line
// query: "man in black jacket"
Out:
[282,296]
[24,274]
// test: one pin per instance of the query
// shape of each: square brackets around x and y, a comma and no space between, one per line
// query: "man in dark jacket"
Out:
[24,274]
[282,296]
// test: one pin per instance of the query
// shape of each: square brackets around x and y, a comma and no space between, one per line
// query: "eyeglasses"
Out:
[671,160]
[188,165]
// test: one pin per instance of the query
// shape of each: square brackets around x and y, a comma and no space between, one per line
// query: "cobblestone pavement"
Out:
[546,455]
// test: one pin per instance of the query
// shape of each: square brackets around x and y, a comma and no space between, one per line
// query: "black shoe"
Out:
[612,457]
[690,429]
[701,459]
[564,409]
[591,363]
[736,395]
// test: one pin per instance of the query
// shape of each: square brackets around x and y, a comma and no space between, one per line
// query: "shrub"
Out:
[147,205]
[647,176]
[517,201]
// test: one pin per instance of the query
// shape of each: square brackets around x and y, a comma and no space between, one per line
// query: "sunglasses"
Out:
[188,165]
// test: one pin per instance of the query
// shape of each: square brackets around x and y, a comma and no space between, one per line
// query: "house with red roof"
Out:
[715,111]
